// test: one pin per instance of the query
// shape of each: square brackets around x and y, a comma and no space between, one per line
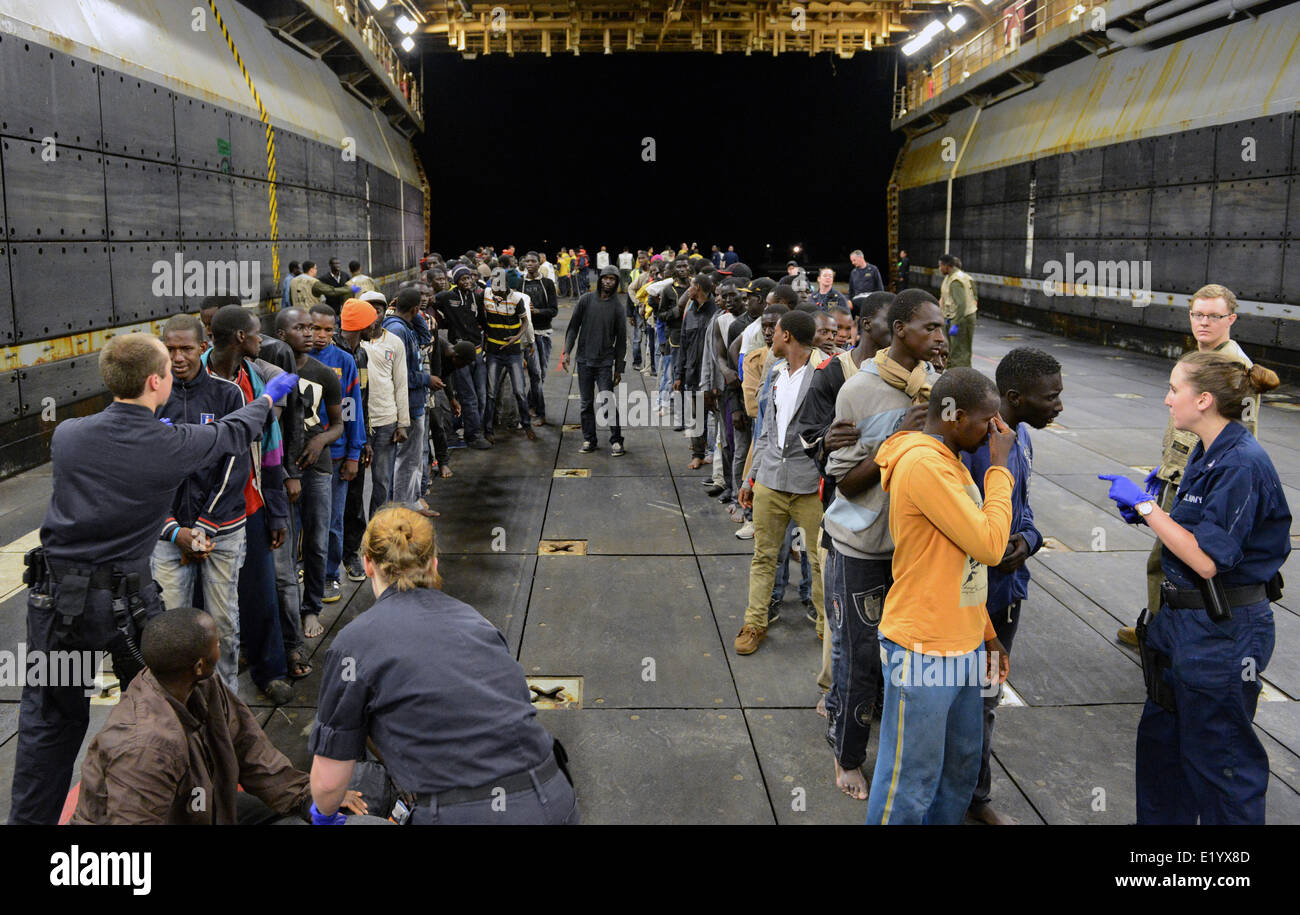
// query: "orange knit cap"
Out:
[357,315]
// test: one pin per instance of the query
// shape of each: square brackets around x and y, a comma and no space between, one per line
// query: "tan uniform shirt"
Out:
[957,296]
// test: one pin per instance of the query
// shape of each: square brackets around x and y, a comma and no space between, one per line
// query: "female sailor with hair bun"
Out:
[433,684]
[1224,541]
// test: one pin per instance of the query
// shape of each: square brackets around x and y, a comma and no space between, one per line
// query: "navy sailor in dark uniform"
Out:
[435,687]
[1225,541]
[115,475]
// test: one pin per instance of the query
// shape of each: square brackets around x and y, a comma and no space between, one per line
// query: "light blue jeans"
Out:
[783,568]
[931,735]
[219,573]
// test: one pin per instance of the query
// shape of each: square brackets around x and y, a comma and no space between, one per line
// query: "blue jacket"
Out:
[211,498]
[1004,590]
[348,445]
[417,380]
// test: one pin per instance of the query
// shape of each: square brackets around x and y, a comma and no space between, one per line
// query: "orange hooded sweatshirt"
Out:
[944,541]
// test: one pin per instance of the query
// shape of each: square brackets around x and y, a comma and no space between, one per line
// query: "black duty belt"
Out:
[520,781]
[1178,599]
[100,578]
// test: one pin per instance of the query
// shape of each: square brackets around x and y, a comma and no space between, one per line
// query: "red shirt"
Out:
[252,498]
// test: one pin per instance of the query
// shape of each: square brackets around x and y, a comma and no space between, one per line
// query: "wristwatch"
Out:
[1145,508]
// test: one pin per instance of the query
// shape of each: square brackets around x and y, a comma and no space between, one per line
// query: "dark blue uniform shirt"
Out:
[1231,499]
[434,685]
[116,473]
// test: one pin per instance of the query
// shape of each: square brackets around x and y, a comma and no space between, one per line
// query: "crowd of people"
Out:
[844,433]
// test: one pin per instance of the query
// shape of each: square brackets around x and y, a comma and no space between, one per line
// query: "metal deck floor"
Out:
[675,728]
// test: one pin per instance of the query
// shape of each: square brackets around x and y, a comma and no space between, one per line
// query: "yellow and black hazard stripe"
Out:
[270,142]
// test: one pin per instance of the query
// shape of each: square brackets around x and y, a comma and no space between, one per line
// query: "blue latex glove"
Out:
[321,819]
[953,330]
[356,288]
[280,385]
[1124,491]
[1152,483]
[1131,516]
[165,421]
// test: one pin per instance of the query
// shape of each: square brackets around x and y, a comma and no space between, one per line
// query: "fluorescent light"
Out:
[378,5]
[405,24]
[407,43]
[915,45]
[956,22]
[934,28]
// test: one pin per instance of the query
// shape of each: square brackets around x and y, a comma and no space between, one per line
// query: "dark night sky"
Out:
[536,151]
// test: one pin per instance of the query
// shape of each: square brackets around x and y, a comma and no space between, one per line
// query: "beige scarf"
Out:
[913,383]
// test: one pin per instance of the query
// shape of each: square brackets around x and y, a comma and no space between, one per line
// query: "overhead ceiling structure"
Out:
[711,26]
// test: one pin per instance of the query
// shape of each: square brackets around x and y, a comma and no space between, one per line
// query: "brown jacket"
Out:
[160,762]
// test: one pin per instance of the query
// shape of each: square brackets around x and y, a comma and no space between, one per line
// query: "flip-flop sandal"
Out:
[298,666]
[428,512]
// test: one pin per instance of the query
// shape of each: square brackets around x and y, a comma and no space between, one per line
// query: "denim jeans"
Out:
[412,460]
[1006,620]
[219,574]
[314,518]
[338,503]
[667,372]
[287,589]
[591,378]
[930,736]
[855,600]
[536,396]
[479,374]
[259,613]
[638,331]
[783,568]
[497,366]
[381,467]
[466,393]
[544,344]
[742,439]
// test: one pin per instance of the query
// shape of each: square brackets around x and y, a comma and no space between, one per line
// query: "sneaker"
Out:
[773,610]
[1128,635]
[279,692]
[749,638]
[716,490]
[456,443]
[726,498]
[810,612]
[356,572]
[707,481]
[480,444]
[333,591]
[587,448]
[746,531]
[617,449]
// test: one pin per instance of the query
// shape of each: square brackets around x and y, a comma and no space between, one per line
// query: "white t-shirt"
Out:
[751,337]
[602,259]
[785,393]
[625,260]
[547,269]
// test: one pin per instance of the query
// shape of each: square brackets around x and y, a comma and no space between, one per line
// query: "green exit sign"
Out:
[223,147]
